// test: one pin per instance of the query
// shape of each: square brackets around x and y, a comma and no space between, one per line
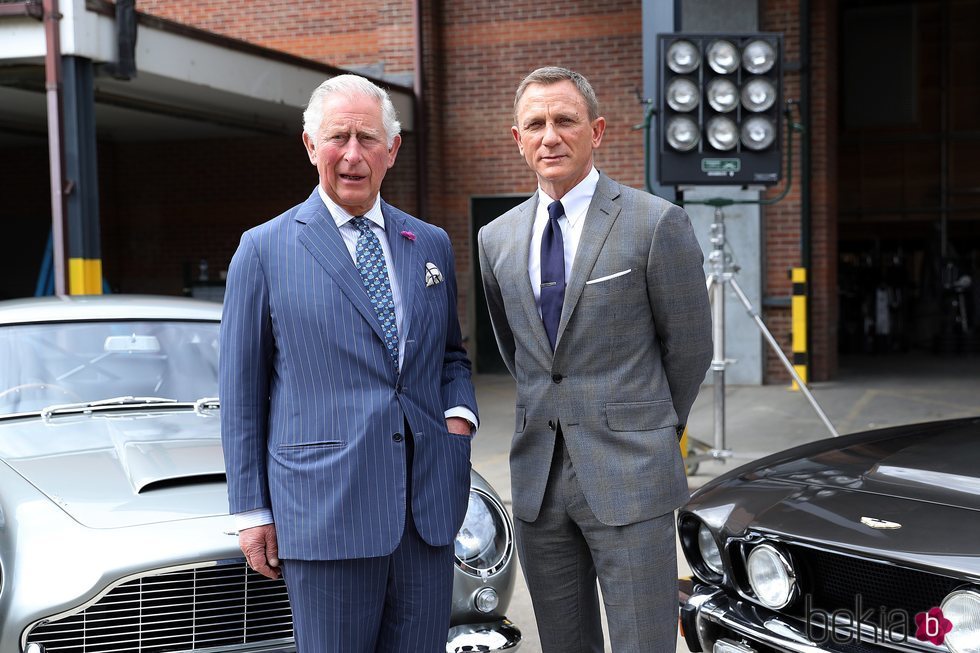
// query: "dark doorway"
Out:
[909,186]
[484,210]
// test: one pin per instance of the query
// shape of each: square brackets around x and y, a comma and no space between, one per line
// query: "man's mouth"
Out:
[351,177]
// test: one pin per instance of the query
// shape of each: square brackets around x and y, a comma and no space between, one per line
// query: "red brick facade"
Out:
[202,194]
[782,222]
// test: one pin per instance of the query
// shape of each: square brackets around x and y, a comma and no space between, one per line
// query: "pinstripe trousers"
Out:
[399,603]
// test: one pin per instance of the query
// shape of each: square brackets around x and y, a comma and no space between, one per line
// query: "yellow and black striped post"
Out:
[800,359]
[81,166]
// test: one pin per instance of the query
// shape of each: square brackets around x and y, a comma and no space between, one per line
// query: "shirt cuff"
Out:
[465,413]
[252,518]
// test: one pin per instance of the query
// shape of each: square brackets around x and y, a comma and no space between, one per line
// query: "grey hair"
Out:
[553,75]
[350,86]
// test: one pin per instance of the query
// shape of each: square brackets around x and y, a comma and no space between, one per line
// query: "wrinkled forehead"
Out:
[352,113]
[561,96]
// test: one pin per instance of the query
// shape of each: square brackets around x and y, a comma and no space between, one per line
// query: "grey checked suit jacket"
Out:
[632,351]
[312,413]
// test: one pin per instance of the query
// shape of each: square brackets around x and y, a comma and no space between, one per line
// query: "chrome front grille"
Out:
[196,609]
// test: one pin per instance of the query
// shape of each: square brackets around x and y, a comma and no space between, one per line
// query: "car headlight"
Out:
[484,543]
[771,576]
[962,608]
[709,550]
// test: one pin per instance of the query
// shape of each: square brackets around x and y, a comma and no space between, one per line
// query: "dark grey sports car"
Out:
[114,531]
[865,543]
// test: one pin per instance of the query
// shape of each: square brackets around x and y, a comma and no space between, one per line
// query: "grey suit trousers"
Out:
[564,549]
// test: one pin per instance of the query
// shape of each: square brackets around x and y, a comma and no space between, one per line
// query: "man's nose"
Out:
[352,154]
[551,134]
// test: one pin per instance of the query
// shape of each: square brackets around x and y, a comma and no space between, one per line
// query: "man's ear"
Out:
[515,132]
[393,150]
[310,147]
[598,129]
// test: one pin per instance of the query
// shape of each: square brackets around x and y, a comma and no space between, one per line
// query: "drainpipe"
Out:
[52,72]
[806,217]
[421,139]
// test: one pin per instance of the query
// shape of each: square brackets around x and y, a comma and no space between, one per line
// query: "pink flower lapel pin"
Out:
[409,235]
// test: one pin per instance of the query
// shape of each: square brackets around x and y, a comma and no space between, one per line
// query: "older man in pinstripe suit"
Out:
[347,406]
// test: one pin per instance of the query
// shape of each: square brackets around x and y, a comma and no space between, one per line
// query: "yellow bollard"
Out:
[800,360]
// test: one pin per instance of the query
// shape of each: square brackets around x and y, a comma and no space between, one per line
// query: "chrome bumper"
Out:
[709,616]
[495,636]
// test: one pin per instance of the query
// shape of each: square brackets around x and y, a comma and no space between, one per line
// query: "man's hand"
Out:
[261,549]
[459,426]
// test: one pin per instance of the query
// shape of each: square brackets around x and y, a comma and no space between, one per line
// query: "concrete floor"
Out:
[869,392]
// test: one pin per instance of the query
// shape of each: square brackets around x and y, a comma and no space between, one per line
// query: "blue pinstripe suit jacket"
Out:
[310,402]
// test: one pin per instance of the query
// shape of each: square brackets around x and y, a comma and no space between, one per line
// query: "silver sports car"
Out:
[114,526]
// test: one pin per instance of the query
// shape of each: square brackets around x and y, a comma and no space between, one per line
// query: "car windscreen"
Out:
[67,362]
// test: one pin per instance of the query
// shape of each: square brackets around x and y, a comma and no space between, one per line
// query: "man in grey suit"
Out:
[346,402]
[598,302]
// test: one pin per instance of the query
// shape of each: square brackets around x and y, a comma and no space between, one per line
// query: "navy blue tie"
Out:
[374,273]
[552,272]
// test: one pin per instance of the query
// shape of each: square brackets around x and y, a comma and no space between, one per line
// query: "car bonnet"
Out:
[936,463]
[118,470]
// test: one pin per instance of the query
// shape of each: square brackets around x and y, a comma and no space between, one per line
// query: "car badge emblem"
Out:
[880,524]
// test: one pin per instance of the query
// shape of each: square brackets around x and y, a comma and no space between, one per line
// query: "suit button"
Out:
[557,378]
[551,424]
[397,437]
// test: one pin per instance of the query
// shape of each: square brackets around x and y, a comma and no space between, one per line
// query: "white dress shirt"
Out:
[576,204]
[350,234]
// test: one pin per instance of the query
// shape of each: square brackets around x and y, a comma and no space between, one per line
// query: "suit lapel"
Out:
[406,259]
[322,239]
[521,280]
[602,213]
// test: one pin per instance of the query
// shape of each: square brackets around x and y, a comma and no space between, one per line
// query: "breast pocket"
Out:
[605,284]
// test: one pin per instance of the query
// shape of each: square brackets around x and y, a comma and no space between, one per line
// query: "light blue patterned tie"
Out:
[374,274]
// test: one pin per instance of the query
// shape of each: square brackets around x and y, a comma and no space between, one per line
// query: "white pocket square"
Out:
[608,277]
[432,275]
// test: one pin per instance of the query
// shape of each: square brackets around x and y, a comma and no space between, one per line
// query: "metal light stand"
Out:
[722,274]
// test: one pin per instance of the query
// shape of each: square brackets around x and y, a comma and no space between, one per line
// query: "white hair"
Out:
[350,86]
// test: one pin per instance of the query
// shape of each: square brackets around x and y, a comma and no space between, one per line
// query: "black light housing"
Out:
[720,98]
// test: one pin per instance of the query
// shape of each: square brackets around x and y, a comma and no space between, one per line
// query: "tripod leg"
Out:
[782,357]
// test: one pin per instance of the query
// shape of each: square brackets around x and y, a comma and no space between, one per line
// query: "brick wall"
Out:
[782,221]
[481,58]
[474,56]
[373,35]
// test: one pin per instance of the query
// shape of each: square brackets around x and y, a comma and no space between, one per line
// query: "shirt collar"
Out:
[342,217]
[576,201]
